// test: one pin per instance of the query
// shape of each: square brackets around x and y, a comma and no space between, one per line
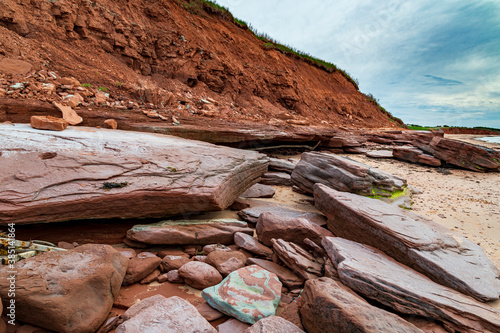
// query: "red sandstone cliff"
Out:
[136,48]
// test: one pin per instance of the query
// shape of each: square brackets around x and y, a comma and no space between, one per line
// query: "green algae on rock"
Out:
[344,174]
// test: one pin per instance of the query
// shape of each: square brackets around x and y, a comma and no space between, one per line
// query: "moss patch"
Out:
[379,194]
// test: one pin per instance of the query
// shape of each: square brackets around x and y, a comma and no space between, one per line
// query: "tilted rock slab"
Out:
[66,291]
[327,306]
[276,178]
[184,232]
[375,275]
[297,259]
[252,214]
[158,314]
[251,244]
[415,155]
[281,165]
[248,294]
[464,155]
[345,175]
[271,225]
[84,173]
[285,275]
[444,256]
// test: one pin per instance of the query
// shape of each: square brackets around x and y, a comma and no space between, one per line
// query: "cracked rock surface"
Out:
[93,173]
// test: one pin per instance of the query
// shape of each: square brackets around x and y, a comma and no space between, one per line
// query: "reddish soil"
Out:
[161,54]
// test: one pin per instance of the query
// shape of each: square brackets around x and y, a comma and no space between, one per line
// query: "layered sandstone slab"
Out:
[464,155]
[446,257]
[83,173]
[183,232]
[297,259]
[252,214]
[375,275]
[415,155]
[344,174]
[327,306]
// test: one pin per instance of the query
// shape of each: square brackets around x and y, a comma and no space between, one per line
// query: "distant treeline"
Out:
[447,128]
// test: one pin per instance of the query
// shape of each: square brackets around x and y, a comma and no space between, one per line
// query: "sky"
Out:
[428,62]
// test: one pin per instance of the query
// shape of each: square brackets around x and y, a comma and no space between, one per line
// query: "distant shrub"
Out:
[419,128]
[198,7]
[240,23]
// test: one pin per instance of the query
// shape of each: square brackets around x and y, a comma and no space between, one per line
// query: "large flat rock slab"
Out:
[344,174]
[375,275]
[183,232]
[327,306]
[84,173]
[446,257]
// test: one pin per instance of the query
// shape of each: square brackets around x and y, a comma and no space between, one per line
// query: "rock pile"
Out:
[252,278]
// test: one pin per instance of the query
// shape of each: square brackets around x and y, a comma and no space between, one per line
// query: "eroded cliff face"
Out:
[133,48]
